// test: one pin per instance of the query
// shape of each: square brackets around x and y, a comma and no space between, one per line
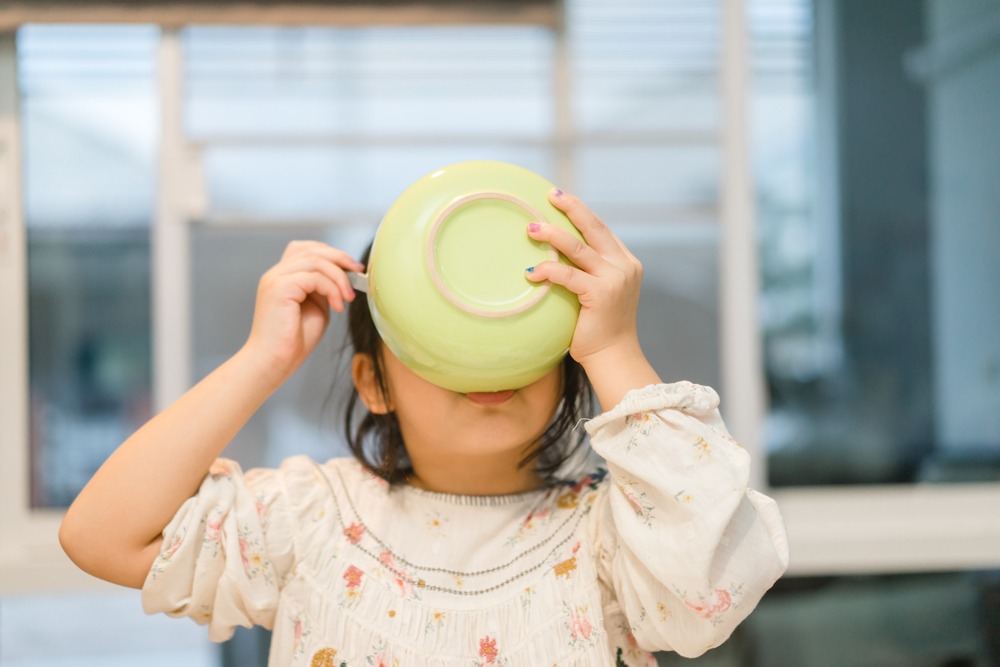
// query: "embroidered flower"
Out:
[175,543]
[637,501]
[435,622]
[325,658]
[213,526]
[702,449]
[564,568]
[579,626]
[400,576]
[567,500]
[488,649]
[353,575]
[712,607]
[300,632]
[255,563]
[354,532]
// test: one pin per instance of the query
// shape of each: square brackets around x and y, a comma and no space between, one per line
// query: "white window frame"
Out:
[832,530]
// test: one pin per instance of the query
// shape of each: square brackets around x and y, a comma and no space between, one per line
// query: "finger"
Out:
[596,233]
[313,262]
[320,249]
[307,284]
[575,280]
[576,250]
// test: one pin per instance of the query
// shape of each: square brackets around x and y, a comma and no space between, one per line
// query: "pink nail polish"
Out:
[556,192]
[534,227]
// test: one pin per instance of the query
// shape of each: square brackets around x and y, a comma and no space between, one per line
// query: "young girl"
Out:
[448,540]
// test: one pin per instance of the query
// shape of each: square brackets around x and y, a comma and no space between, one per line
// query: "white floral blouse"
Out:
[668,550]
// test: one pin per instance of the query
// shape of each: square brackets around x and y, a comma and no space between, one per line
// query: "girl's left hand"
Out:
[606,278]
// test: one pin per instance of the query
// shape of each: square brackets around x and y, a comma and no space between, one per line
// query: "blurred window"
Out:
[876,161]
[89,131]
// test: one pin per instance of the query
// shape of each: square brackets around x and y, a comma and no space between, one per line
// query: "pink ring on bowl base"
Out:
[454,299]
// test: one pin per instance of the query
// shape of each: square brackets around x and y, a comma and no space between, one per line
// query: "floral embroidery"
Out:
[526,596]
[435,622]
[404,582]
[638,425]
[664,612]
[570,498]
[377,657]
[702,449]
[204,614]
[567,500]
[637,501]
[435,523]
[353,575]
[488,650]
[564,568]
[683,496]
[535,520]
[255,563]
[354,532]
[325,658]
[213,531]
[714,605]
[581,630]
[300,631]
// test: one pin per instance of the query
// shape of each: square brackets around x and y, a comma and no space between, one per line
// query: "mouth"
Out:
[490,398]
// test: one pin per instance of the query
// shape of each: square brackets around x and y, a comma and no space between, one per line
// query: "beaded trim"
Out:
[579,512]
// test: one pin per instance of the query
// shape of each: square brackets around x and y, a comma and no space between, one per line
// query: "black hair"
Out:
[377,440]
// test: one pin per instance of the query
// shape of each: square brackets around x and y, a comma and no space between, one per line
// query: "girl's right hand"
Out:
[294,299]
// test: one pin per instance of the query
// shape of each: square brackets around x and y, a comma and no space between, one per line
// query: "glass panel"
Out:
[651,177]
[651,67]
[369,82]
[96,629]
[912,620]
[89,126]
[881,290]
[356,185]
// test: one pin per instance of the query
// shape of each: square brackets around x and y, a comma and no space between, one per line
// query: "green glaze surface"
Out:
[446,283]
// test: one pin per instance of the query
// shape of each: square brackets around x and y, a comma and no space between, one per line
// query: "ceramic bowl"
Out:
[446,279]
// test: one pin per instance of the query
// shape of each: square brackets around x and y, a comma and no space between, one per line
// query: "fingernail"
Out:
[556,192]
[534,227]
[530,269]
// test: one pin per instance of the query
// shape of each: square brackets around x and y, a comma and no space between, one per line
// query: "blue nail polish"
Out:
[530,269]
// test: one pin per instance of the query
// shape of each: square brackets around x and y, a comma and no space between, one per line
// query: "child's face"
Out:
[435,421]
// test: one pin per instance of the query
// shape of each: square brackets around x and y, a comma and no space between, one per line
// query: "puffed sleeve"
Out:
[225,553]
[684,547]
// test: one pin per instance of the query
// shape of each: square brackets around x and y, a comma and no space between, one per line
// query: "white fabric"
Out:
[668,551]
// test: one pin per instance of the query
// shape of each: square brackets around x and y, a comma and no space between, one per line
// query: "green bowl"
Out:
[446,279]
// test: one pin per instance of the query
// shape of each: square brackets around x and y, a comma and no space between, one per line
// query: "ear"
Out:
[363,373]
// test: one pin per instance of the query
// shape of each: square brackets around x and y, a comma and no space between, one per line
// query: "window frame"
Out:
[832,530]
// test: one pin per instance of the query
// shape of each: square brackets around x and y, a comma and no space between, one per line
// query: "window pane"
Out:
[97,629]
[879,239]
[369,82]
[348,184]
[648,67]
[89,120]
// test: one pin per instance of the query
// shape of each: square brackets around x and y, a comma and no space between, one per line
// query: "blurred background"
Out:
[813,187]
